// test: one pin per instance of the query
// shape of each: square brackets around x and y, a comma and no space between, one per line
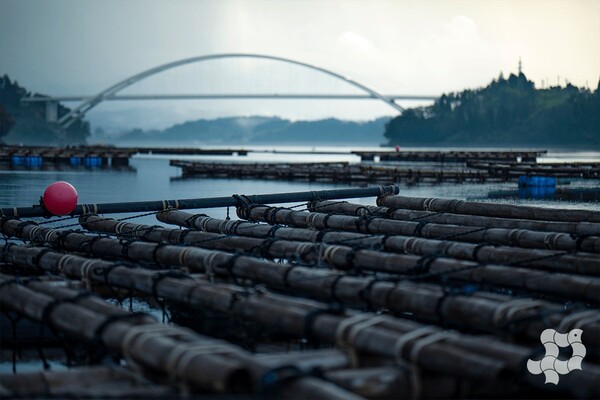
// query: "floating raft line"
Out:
[406,297]
[451,156]
[384,336]
[444,216]
[580,170]
[215,202]
[488,209]
[345,172]
[375,307]
[575,263]
[327,173]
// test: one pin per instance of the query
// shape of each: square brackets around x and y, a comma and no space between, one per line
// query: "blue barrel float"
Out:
[74,161]
[28,161]
[92,161]
[537,187]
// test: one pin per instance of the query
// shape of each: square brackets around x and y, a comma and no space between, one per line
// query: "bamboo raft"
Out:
[70,155]
[452,156]
[582,170]
[326,299]
[336,172]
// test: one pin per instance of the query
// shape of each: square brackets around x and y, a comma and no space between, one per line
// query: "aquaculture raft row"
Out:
[327,299]
[379,173]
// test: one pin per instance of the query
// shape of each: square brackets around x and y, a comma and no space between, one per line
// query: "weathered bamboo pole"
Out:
[512,237]
[212,371]
[488,209]
[425,300]
[232,201]
[577,228]
[84,382]
[380,336]
[579,262]
[459,355]
[331,173]
[394,383]
[211,364]
[562,285]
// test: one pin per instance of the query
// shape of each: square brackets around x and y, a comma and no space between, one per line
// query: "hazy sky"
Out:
[66,47]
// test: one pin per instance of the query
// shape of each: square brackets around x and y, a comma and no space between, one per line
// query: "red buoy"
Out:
[60,198]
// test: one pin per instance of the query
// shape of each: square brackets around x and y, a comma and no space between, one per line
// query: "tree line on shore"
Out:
[25,123]
[507,112]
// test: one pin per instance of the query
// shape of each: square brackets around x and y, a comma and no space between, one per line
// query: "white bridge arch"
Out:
[106,94]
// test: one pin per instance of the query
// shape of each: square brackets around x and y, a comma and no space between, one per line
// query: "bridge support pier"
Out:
[51,111]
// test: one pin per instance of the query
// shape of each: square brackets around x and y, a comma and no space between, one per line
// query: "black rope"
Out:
[311,316]
[580,239]
[13,324]
[105,271]
[333,286]
[229,265]
[88,244]
[155,253]
[365,294]
[265,247]
[423,264]
[5,251]
[321,235]
[359,208]
[363,221]
[97,347]
[272,230]
[157,277]
[476,249]
[60,240]
[46,321]
[21,226]
[418,231]
[125,243]
[286,274]
[326,218]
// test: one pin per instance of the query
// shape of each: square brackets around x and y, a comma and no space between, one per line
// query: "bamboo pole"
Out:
[260,307]
[158,205]
[213,365]
[577,228]
[212,371]
[578,263]
[82,382]
[330,173]
[343,257]
[457,355]
[512,237]
[423,300]
[488,209]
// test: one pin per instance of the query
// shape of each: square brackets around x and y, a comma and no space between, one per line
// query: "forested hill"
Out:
[509,112]
[257,130]
[26,122]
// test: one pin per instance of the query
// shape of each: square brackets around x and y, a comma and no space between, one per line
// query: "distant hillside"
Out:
[26,123]
[258,131]
[508,112]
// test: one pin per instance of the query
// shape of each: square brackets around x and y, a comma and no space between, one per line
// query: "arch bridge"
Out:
[89,102]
